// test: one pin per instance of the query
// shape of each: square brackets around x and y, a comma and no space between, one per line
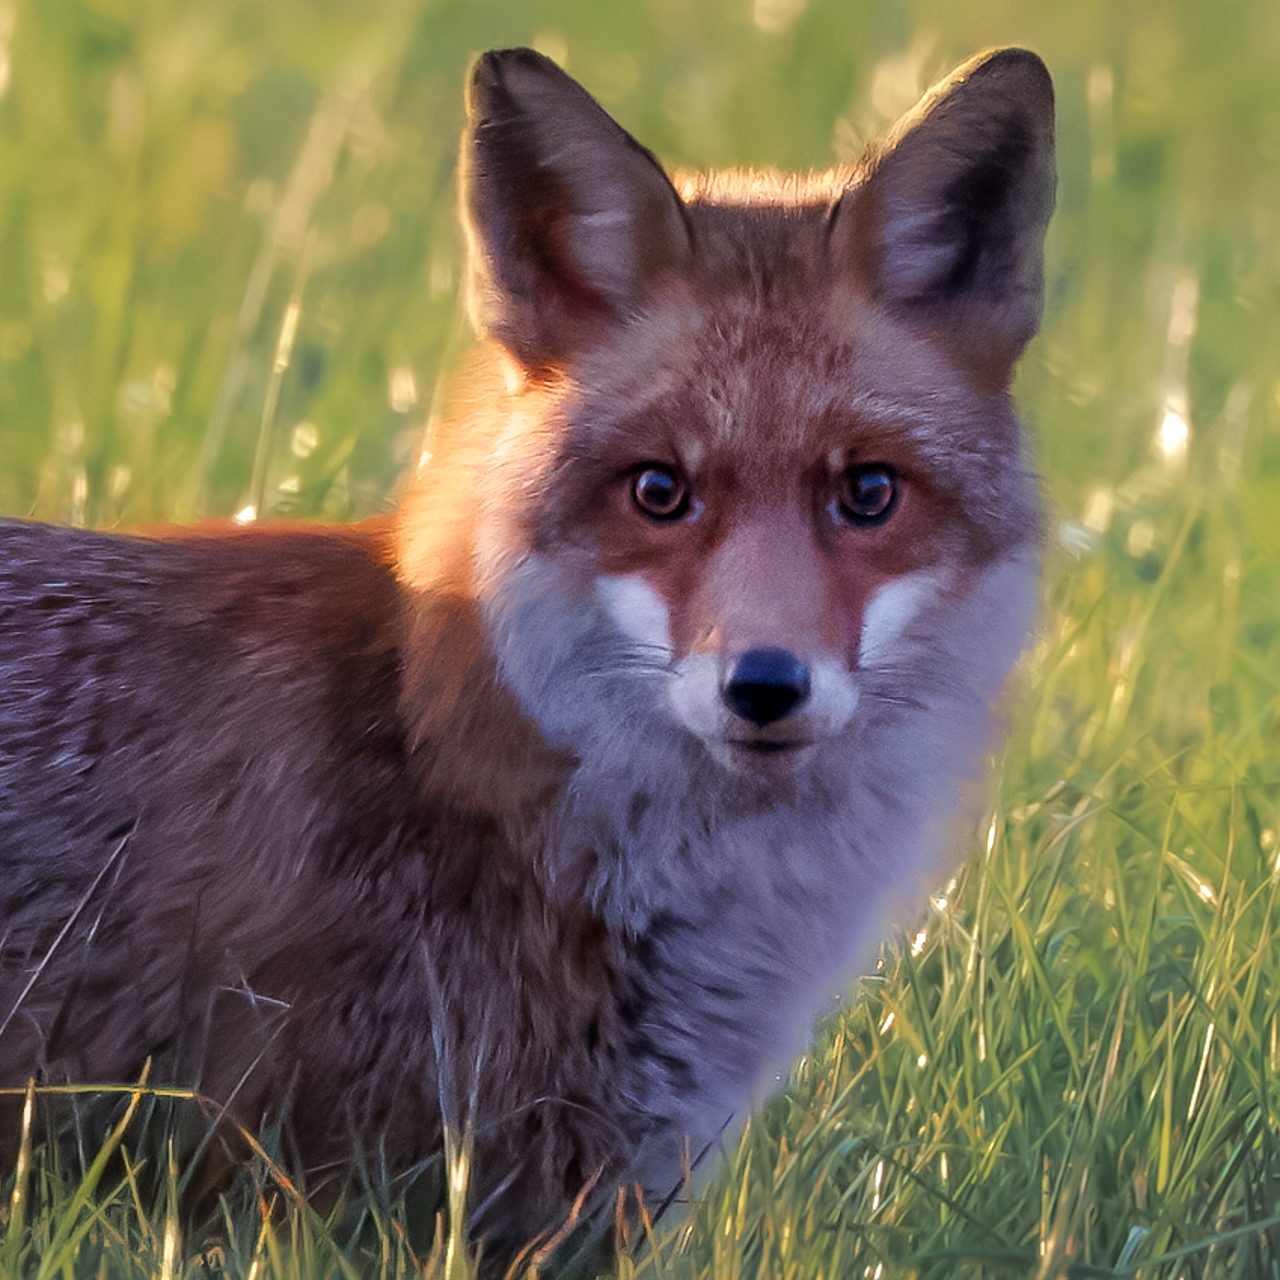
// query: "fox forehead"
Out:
[764,318]
[768,372]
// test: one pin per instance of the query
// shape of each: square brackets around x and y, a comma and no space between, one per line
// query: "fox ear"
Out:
[948,224]
[570,221]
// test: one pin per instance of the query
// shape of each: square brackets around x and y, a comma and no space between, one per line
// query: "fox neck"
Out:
[471,747]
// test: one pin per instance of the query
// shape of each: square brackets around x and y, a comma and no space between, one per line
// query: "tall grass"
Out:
[228,279]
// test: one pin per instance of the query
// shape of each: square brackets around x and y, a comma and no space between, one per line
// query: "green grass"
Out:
[229,278]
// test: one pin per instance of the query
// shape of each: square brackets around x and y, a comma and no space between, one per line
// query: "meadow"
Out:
[229,273]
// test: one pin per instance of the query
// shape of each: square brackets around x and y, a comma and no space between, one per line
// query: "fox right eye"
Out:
[660,493]
[866,495]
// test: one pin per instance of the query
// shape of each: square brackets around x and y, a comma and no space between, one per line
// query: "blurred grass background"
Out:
[228,283]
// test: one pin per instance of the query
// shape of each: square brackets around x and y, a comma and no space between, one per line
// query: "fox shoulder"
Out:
[162,670]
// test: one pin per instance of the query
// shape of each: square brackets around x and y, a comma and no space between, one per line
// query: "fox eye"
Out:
[660,493]
[866,495]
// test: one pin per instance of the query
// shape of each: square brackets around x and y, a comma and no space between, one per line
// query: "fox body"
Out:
[561,801]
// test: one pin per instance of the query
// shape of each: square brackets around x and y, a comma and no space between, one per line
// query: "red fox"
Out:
[559,802]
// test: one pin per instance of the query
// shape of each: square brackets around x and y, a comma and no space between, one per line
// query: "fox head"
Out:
[748,474]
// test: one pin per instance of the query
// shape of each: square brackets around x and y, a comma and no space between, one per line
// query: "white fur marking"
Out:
[636,609]
[891,610]
[833,697]
[695,694]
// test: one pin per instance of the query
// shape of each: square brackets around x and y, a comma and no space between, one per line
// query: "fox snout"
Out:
[764,701]
[765,685]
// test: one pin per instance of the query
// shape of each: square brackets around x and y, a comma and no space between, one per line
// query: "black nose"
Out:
[765,684]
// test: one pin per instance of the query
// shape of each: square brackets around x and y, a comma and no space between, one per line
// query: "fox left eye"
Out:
[660,493]
[866,495]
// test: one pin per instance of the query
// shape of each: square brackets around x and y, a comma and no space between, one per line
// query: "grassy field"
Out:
[229,281]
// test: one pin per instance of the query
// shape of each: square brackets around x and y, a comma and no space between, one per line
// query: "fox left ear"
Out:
[570,221]
[948,225]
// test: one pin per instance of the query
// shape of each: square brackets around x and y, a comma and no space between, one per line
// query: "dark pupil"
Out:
[870,490]
[658,491]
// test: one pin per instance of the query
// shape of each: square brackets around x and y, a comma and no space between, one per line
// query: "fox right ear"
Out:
[570,222]
[947,227]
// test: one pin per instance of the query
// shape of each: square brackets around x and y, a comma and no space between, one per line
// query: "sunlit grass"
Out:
[230,286]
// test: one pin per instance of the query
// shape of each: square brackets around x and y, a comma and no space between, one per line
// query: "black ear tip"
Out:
[501,74]
[1018,72]
[517,56]
[496,66]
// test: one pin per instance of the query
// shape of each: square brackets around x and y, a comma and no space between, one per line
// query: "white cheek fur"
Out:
[695,694]
[636,609]
[890,611]
[833,698]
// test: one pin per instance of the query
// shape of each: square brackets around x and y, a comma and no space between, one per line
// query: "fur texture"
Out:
[445,816]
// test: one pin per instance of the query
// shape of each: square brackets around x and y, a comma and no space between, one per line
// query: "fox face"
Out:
[756,471]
